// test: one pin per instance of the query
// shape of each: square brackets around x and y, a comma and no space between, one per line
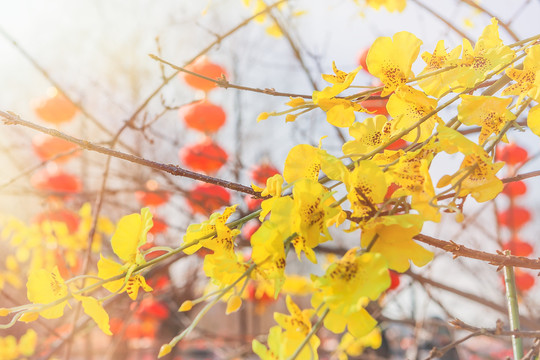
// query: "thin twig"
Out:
[11,119]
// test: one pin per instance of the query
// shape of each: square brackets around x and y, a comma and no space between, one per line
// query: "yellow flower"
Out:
[408,106]
[489,112]
[488,55]
[303,161]
[283,344]
[367,188]
[310,213]
[274,185]
[212,234]
[346,288]
[268,252]
[349,345]
[528,79]
[476,175]
[108,269]
[391,236]
[339,112]
[411,173]
[437,85]
[44,287]
[368,135]
[390,5]
[391,59]
[224,268]
[130,234]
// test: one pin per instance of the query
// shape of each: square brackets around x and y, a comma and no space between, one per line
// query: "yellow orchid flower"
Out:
[489,112]
[391,59]
[528,79]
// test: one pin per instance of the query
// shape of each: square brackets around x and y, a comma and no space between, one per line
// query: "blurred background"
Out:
[97,54]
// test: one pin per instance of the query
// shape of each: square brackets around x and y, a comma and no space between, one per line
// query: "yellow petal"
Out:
[533,120]
[93,308]
[186,306]
[233,304]
[165,349]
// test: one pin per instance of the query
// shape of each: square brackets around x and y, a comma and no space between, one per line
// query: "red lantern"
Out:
[518,247]
[56,109]
[512,154]
[375,106]
[515,189]
[56,181]
[398,144]
[68,217]
[47,147]
[159,226]
[260,173]
[207,198]
[203,116]
[152,196]
[362,56]
[203,66]
[394,279]
[249,229]
[514,217]
[524,280]
[205,156]
[151,308]
[252,203]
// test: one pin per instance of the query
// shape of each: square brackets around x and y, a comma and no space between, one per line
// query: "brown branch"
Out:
[12,119]
[202,52]
[490,14]
[477,299]
[497,331]
[224,83]
[45,74]
[438,16]
[492,259]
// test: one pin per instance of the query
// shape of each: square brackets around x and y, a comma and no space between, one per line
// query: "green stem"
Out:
[513,310]
[314,329]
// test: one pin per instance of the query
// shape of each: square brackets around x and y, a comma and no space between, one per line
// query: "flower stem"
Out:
[513,310]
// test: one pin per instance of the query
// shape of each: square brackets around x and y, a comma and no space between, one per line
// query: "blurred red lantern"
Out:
[203,116]
[207,198]
[152,196]
[515,188]
[394,280]
[205,67]
[55,109]
[399,144]
[159,226]
[205,156]
[391,190]
[524,280]
[252,203]
[514,217]
[362,56]
[511,154]
[249,229]
[56,181]
[260,173]
[518,247]
[68,217]
[375,106]
[47,147]
[152,308]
